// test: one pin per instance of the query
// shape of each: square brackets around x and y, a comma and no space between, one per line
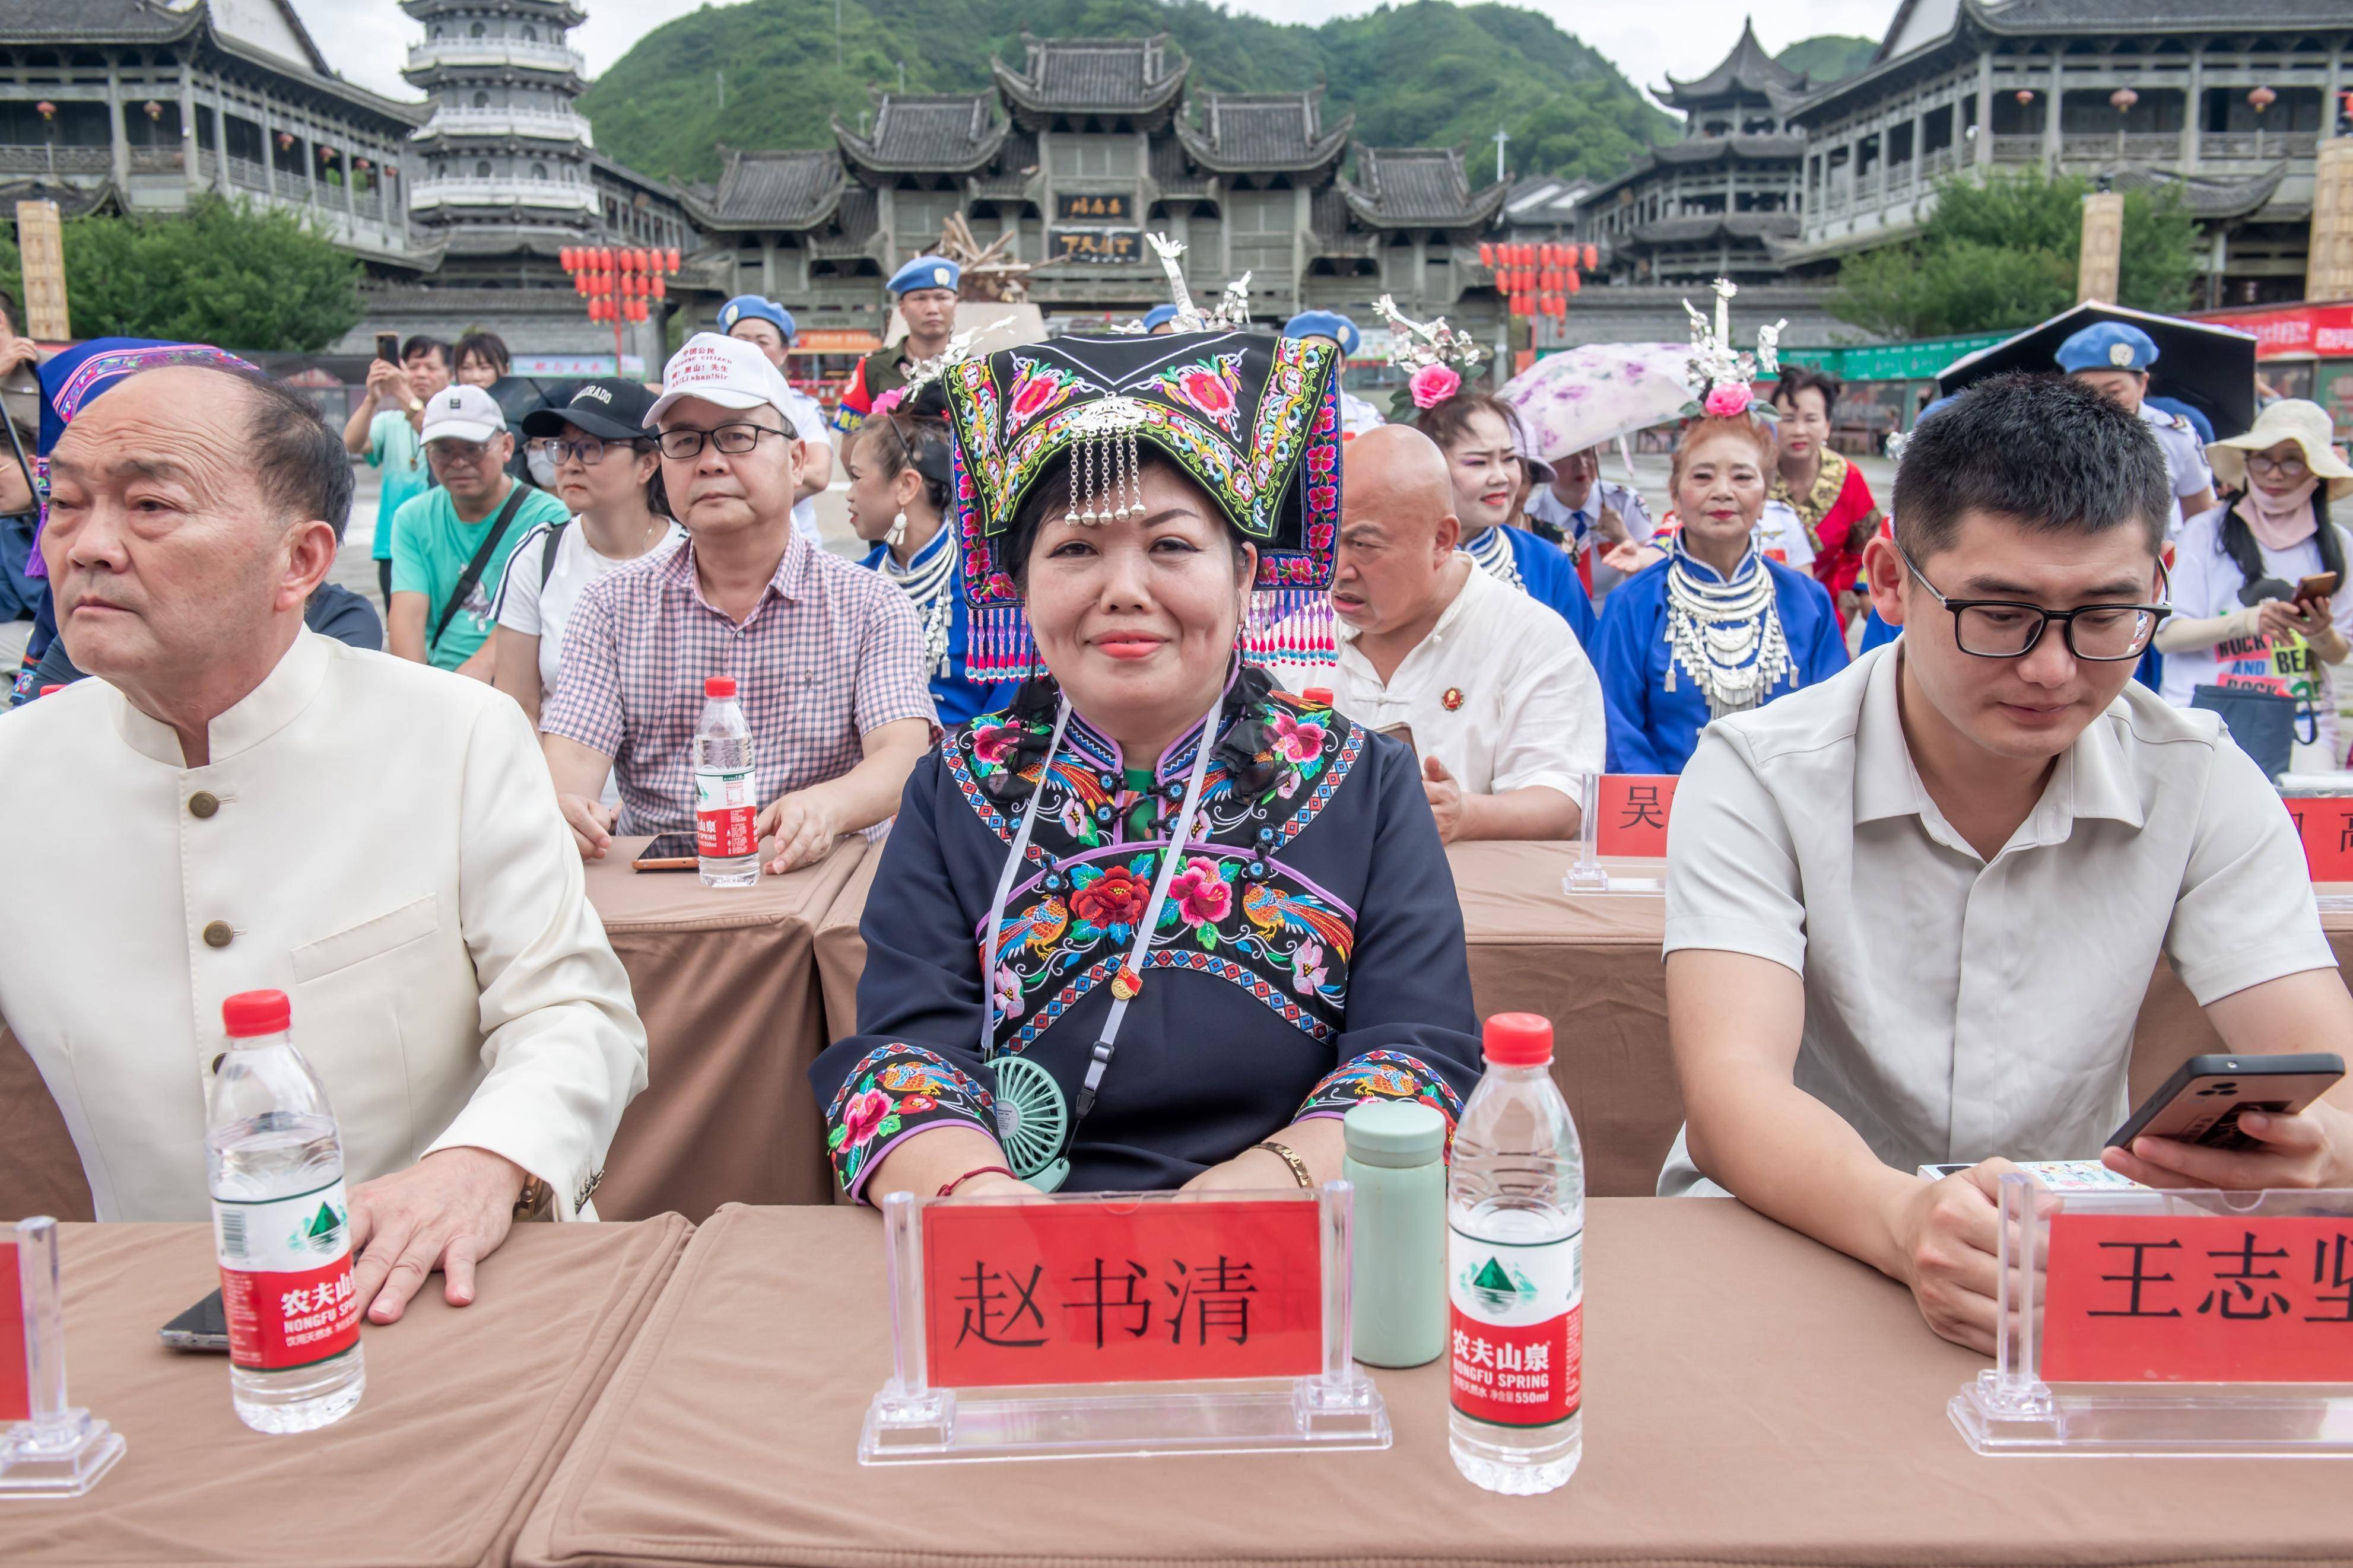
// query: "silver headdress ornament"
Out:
[1232,309]
[1719,375]
[1438,359]
[959,349]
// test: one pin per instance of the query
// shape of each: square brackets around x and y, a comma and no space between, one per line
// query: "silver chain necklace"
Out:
[1727,635]
[926,583]
[1494,554]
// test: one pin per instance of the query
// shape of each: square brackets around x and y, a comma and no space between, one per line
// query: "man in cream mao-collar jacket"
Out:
[377,841]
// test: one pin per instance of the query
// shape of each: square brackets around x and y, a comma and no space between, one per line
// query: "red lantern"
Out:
[1592,257]
[2262,97]
[566,256]
[658,292]
[2123,98]
[2025,95]
[593,310]
[669,261]
[580,284]
[47,109]
[645,259]
[1486,254]
[1575,283]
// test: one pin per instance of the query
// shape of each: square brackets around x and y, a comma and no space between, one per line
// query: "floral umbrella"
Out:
[1586,396]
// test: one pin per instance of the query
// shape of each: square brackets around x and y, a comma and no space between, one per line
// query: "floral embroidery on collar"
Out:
[1818,502]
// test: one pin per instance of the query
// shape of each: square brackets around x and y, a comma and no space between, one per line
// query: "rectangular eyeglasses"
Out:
[2005,628]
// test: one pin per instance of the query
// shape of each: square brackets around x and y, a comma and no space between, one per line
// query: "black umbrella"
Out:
[2208,366]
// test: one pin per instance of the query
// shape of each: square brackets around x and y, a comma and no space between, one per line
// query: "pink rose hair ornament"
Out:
[1436,358]
[1723,379]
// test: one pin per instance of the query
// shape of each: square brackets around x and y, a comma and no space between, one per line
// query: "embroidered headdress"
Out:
[1723,380]
[1436,360]
[1251,418]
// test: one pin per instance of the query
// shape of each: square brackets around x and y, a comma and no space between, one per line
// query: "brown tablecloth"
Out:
[727,986]
[1750,1397]
[466,1411]
[726,982]
[841,951]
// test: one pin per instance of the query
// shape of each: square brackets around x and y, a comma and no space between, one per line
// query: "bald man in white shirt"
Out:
[1488,685]
[238,804]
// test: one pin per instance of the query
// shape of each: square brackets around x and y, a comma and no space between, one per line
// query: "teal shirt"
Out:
[429,551]
[393,446]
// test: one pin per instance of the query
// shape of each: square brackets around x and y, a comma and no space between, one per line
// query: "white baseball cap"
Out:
[461,413]
[729,372]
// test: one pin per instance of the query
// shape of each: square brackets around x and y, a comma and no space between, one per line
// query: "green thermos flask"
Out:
[1396,1161]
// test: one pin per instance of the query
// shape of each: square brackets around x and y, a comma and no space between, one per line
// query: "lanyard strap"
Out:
[1005,888]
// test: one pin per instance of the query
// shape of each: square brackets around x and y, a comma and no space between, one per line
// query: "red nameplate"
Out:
[1121,1292]
[2325,824]
[2197,1299]
[16,1402]
[1633,814]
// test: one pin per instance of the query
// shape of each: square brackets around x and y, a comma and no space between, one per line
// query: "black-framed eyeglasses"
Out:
[2005,628]
[2293,468]
[733,439]
[587,448]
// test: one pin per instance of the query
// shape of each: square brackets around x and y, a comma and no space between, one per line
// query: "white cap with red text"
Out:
[461,413]
[728,371]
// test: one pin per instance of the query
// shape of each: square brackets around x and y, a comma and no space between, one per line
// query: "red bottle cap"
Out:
[719,686]
[251,1013]
[1318,696]
[1519,1040]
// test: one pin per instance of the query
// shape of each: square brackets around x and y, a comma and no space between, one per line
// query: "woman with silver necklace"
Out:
[898,477]
[1717,626]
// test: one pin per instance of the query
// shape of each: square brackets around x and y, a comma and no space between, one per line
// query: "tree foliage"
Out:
[1424,73]
[2002,255]
[227,273]
[1832,57]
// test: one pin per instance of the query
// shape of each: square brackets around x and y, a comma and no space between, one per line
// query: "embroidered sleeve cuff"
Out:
[1382,1075]
[893,1093]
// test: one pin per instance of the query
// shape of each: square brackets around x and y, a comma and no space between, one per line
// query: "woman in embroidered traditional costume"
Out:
[1829,493]
[1718,626]
[1048,992]
[899,488]
[1480,436]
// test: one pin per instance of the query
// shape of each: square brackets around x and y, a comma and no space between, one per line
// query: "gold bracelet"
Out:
[1289,1157]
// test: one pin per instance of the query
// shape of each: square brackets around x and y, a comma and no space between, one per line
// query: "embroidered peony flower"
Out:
[1727,398]
[1074,816]
[1008,993]
[1434,384]
[916,1104]
[887,403]
[991,743]
[1202,896]
[862,1115]
[1115,899]
[1034,392]
[1288,787]
[1307,968]
[1206,391]
[1299,743]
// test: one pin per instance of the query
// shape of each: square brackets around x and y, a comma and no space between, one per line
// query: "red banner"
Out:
[2292,332]
[1122,1291]
[2197,1299]
[1633,813]
[2325,824]
[15,1400]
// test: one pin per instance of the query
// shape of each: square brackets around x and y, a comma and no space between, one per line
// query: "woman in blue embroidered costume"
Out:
[1717,627]
[1155,924]
[900,474]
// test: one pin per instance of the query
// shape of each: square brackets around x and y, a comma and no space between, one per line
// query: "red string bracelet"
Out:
[948,1190]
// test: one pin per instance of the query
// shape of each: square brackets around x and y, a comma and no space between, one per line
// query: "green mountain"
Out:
[1424,73]
[1829,57]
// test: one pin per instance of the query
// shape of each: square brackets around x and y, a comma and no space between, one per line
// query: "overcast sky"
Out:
[366,39]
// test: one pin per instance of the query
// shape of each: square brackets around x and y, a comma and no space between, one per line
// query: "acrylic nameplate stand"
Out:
[57,1451]
[1588,874]
[1333,1406]
[2213,1324]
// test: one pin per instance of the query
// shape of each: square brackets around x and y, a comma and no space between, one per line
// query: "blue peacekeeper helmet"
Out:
[1325,324]
[2109,345]
[925,272]
[751,308]
[1159,316]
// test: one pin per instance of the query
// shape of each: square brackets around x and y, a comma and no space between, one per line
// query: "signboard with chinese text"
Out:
[2291,331]
[1088,206]
[2324,824]
[2218,1297]
[14,1395]
[1632,815]
[1103,246]
[1121,1292]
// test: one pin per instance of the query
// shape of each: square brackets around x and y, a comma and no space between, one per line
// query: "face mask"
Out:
[543,469]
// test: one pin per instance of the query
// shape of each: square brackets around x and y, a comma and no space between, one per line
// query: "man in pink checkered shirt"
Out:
[828,658]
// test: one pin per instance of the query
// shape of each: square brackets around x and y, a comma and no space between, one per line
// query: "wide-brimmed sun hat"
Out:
[2290,419]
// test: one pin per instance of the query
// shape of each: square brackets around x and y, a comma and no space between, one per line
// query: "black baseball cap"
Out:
[612,408]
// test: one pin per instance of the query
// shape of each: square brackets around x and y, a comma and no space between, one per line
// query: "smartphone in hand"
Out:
[2201,1102]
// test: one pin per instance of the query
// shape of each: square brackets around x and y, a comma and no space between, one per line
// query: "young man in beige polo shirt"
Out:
[1911,912]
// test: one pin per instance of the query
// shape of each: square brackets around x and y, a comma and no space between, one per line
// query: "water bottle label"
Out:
[1517,1328]
[725,813]
[286,1279]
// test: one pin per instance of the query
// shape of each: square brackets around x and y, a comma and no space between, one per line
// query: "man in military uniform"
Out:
[2113,358]
[925,293]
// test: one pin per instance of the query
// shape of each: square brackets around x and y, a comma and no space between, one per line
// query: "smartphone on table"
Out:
[668,852]
[2202,1101]
[203,1327]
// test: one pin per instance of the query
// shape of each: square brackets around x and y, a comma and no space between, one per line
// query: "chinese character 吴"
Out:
[2224,1304]
[2135,1280]
[1102,1302]
[987,1319]
[1218,1295]
[1642,806]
